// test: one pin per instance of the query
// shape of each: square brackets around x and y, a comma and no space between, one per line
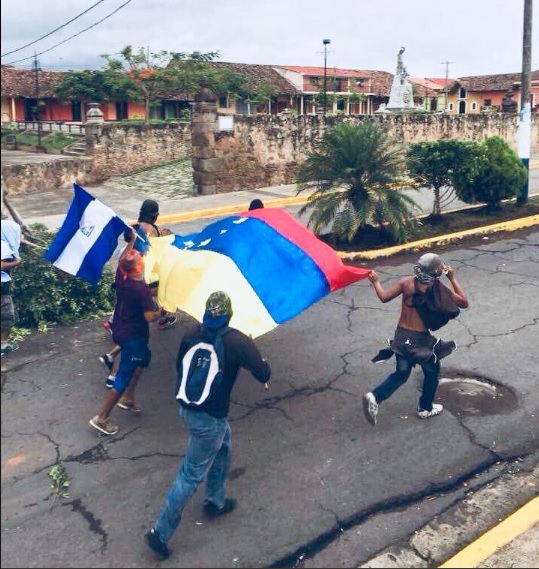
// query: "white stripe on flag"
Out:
[94,219]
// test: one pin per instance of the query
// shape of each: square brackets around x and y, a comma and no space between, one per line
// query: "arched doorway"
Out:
[462,107]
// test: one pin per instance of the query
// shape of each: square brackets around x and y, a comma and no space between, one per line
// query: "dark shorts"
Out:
[8,313]
[134,353]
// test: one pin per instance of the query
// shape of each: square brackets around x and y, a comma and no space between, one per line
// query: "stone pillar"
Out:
[206,166]
[93,127]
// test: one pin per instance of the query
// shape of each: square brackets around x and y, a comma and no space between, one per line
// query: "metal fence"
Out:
[48,126]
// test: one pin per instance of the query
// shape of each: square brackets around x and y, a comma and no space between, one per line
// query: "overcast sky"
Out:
[478,37]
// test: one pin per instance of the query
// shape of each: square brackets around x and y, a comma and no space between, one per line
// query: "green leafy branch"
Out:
[60,482]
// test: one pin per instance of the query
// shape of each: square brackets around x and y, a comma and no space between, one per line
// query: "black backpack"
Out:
[200,371]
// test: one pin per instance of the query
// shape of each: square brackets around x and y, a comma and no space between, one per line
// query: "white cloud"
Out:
[477,36]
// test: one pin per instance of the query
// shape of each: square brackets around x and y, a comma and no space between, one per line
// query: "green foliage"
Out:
[500,175]
[59,481]
[354,169]
[443,163]
[44,295]
[53,140]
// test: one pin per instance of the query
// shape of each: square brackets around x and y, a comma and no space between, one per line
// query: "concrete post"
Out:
[206,166]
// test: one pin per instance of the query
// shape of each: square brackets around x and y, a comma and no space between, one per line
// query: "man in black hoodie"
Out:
[207,456]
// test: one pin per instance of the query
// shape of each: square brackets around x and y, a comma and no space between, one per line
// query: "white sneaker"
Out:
[436,410]
[370,408]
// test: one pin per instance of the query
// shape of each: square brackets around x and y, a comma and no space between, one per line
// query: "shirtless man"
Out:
[413,343]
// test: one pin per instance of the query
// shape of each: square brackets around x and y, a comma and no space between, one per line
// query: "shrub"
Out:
[500,175]
[45,295]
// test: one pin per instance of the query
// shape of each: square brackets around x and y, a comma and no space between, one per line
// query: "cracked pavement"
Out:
[316,485]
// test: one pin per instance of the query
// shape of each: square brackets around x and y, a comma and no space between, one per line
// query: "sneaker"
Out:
[128,406]
[106,426]
[109,384]
[167,321]
[156,544]
[370,408]
[436,410]
[212,510]
[107,361]
[9,348]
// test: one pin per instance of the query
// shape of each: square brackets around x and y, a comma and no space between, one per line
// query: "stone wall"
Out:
[265,150]
[45,176]
[124,149]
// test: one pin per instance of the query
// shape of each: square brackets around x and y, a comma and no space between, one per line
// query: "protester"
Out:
[256,204]
[427,305]
[11,240]
[208,452]
[146,227]
[135,308]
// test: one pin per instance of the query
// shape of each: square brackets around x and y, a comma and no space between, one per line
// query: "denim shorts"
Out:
[8,313]
[134,353]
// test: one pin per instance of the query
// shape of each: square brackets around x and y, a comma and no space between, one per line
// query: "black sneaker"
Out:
[107,361]
[156,544]
[212,510]
[109,384]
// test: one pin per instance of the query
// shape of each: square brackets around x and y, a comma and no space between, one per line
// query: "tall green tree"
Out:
[441,165]
[355,170]
[155,73]
[500,175]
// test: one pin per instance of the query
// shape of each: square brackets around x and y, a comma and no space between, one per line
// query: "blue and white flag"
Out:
[87,238]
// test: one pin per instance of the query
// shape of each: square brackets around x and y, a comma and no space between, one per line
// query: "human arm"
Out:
[252,360]
[10,264]
[383,295]
[130,244]
[458,293]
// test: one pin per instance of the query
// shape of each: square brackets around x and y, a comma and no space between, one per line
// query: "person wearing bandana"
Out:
[427,305]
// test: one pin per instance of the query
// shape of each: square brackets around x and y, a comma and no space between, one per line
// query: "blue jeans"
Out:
[431,373]
[207,457]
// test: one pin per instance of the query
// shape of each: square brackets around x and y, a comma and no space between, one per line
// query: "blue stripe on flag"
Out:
[102,250]
[71,224]
[284,277]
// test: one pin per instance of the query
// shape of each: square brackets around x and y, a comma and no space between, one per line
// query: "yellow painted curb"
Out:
[512,225]
[496,538]
[225,210]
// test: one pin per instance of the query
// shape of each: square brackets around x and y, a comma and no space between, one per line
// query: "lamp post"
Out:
[325,42]
[38,109]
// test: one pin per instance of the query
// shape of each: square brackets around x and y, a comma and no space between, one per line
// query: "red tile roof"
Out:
[22,82]
[501,82]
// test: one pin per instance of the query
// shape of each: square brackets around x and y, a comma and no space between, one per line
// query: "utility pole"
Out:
[524,125]
[447,64]
[38,117]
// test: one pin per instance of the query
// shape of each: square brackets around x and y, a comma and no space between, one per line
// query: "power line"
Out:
[73,36]
[53,31]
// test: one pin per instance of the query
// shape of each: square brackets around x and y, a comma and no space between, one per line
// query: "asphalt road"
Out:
[316,485]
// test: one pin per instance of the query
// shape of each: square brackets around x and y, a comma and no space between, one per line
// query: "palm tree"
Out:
[355,169]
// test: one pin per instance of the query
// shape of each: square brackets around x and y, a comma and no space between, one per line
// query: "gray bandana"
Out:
[428,268]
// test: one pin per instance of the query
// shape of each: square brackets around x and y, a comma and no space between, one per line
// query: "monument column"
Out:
[203,124]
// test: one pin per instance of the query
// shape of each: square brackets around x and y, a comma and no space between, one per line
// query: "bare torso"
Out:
[409,317]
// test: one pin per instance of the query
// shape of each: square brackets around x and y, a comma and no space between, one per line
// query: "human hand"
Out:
[373,277]
[165,231]
[448,271]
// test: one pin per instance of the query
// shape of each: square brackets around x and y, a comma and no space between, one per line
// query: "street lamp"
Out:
[325,42]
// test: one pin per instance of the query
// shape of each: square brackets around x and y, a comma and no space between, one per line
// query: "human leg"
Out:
[431,378]
[7,322]
[393,381]
[403,369]
[216,480]
[206,435]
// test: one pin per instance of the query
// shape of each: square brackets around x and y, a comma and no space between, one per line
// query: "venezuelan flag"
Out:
[270,265]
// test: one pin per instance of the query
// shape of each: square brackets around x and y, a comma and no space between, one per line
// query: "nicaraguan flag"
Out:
[271,266]
[87,238]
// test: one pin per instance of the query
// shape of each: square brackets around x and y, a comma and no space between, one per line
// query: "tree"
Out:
[155,73]
[441,165]
[500,175]
[354,169]
[262,94]
[97,86]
